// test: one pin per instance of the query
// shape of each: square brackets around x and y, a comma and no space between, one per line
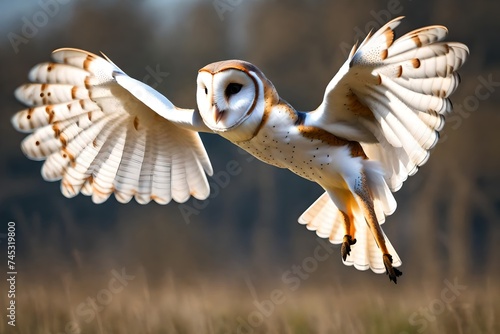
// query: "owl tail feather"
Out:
[324,217]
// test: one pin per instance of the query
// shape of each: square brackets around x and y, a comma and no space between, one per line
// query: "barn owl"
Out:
[102,132]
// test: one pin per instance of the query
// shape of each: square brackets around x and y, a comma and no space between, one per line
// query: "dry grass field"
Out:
[141,284]
[213,307]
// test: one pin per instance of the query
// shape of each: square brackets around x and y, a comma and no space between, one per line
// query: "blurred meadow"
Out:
[239,262]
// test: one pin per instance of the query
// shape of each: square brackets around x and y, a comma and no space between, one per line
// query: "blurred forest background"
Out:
[211,269]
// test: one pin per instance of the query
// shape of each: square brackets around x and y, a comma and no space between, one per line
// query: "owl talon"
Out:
[346,246]
[390,270]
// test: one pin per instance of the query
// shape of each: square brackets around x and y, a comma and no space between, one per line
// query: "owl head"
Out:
[232,96]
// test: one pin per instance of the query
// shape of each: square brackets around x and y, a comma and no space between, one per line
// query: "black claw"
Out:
[345,249]
[390,270]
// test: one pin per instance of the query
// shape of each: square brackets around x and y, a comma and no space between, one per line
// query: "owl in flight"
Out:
[102,132]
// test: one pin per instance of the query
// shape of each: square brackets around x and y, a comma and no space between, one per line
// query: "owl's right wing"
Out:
[391,96]
[103,132]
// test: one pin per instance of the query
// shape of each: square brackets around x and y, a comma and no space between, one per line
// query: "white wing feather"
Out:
[103,132]
[392,95]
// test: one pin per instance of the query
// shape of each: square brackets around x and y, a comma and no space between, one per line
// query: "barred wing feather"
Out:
[392,96]
[102,132]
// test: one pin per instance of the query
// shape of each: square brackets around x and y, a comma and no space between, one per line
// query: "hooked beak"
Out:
[217,114]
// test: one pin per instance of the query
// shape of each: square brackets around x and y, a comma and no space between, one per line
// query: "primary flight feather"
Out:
[103,132]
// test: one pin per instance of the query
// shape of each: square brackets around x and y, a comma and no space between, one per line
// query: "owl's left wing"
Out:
[391,96]
[103,132]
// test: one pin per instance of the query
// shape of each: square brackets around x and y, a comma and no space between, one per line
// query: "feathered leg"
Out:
[366,204]
[349,239]
[345,203]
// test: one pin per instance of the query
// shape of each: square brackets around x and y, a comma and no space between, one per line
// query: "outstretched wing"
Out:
[103,132]
[392,95]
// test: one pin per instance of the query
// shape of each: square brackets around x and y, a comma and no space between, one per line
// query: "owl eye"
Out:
[206,90]
[233,88]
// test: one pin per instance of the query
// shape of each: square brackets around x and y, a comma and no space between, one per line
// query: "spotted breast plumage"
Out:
[103,132]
